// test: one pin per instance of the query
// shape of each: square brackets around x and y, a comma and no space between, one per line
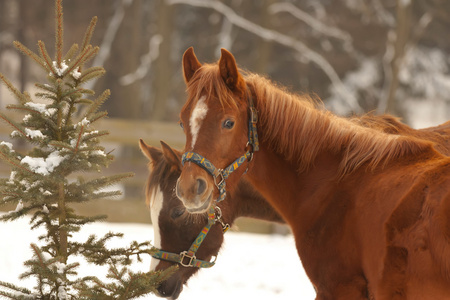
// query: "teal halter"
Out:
[220,175]
[188,258]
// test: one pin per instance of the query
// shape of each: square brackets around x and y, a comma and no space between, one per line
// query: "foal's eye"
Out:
[228,124]
[177,212]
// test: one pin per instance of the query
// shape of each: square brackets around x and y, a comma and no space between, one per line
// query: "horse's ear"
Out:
[190,64]
[229,70]
[171,155]
[152,153]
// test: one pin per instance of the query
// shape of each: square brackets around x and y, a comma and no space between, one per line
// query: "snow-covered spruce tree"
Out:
[58,124]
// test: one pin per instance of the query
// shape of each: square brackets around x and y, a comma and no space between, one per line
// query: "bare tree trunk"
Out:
[21,36]
[402,36]
[163,68]
[125,101]
[265,46]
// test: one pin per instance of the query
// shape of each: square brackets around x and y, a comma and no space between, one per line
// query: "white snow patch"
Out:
[98,152]
[19,206]
[40,107]
[27,118]
[84,122]
[235,275]
[45,209]
[60,267]
[9,145]
[76,74]
[41,165]
[34,133]
[62,294]
[15,133]
[60,71]
[12,176]
[50,112]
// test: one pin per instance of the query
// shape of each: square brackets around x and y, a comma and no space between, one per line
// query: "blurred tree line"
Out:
[357,55]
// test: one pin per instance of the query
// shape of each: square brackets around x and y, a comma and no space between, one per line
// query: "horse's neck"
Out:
[247,202]
[284,187]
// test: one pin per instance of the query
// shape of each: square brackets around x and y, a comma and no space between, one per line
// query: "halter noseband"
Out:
[188,258]
[220,175]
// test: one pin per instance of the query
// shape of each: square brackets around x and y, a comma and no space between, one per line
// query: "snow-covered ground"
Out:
[250,266]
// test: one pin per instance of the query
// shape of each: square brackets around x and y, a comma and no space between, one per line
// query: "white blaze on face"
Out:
[156,204]
[197,116]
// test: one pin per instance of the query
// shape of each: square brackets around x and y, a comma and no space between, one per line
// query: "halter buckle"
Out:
[253,115]
[184,255]
[218,218]
[222,179]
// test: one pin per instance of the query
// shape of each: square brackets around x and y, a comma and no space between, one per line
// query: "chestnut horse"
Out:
[370,211]
[175,229]
[177,232]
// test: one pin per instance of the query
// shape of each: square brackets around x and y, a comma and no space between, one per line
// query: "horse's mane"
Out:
[160,171]
[295,126]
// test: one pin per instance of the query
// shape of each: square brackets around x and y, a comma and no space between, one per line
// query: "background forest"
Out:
[356,55]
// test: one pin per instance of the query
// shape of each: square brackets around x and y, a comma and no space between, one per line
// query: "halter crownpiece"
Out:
[220,175]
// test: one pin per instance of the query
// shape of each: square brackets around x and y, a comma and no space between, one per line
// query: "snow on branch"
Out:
[271,35]
[311,21]
[146,62]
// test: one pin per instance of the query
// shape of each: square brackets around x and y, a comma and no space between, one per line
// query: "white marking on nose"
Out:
[155,209]
[197,116]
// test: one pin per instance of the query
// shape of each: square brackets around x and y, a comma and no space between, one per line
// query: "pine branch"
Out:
[46,58]
[97,103]
[59,32]
[19,96]
[89,32]
[17,293]
[85,55]
[72,51]
[33,56]
[14,162]
[90,73]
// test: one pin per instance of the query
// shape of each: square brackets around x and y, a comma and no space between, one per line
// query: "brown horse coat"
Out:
[369,210]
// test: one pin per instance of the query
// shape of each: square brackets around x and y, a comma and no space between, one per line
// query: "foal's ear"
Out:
[229,70]
[152,153]
[190,64]
[172,156]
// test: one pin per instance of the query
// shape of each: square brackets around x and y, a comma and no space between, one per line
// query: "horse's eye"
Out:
[228,124]
[181,125]
[177,212]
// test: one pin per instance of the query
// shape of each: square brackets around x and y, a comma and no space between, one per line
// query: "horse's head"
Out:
[175,229]
[215,120]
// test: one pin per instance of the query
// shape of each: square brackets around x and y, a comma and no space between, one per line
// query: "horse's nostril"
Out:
[201,186]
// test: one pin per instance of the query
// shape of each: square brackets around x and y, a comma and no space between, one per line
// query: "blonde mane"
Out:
[294,126]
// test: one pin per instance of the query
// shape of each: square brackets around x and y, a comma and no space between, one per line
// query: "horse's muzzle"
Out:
[195,194]
[171,288]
